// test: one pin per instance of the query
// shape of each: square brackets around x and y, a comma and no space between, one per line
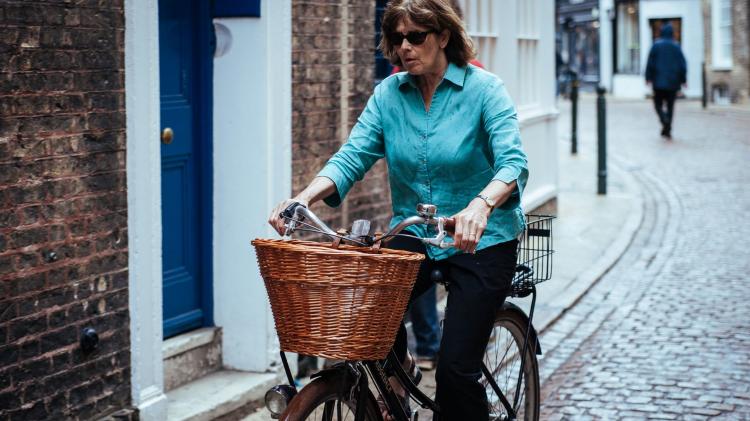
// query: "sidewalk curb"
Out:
[614,251]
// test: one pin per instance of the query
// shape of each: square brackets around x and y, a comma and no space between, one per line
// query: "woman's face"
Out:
[425,57]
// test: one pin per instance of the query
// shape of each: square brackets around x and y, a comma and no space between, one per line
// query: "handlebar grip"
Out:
[449,224]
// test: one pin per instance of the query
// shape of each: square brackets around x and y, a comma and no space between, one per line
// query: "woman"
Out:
[449,133]
[423,310]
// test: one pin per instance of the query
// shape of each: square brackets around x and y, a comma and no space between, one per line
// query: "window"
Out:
[480,26]
[483,19]
[628,54]
[721,34]
[528,53]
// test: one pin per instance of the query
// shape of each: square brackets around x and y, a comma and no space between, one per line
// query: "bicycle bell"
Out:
[426,211]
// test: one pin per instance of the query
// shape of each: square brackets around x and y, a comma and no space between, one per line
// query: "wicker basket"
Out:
[342,303]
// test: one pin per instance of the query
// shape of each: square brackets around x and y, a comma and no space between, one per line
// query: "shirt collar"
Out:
[453,74]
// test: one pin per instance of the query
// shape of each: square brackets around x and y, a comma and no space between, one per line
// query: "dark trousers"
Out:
[478,285]
[664,97]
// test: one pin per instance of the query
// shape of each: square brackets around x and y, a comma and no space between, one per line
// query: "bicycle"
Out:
[344,390]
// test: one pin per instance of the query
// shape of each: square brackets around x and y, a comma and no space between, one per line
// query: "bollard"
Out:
[601,125]
[704,93]
[574,111]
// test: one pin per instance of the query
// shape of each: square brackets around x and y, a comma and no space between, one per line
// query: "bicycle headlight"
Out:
[278,398]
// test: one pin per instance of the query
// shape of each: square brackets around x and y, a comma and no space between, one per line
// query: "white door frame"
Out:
[144,207]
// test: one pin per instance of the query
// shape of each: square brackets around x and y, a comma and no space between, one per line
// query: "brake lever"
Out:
[439,239]
[291,215]
[291,210]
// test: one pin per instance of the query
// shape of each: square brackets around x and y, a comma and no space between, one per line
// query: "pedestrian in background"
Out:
[666,72]
[423,311]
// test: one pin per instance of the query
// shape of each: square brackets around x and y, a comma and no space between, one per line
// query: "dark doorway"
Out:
[656,25]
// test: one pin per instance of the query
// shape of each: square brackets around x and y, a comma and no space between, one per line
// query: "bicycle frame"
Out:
[379,371]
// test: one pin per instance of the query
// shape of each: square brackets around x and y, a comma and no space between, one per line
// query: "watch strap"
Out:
[486,200]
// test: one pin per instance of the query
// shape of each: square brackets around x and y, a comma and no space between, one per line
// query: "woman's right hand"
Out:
[319,188]
[276,221]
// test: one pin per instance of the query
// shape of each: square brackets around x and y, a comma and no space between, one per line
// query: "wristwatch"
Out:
[486,199]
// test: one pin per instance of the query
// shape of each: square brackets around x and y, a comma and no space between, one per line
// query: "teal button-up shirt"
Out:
[445,156]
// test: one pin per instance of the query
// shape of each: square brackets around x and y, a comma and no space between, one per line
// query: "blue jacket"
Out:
[666,68]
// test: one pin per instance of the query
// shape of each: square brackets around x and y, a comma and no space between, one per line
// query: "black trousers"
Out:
[664,97]
[478,285]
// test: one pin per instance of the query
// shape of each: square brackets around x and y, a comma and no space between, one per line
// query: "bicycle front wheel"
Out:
[324,399]
[503,360]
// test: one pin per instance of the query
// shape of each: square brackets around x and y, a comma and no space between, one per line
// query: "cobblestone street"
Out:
[665,334]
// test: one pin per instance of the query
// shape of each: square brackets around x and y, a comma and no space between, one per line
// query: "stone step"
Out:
[260,414]
[190,356]
[220,394]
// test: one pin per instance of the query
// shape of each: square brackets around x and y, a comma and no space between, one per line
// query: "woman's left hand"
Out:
[470,225]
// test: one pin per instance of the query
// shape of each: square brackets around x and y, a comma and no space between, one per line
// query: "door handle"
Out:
[167,135]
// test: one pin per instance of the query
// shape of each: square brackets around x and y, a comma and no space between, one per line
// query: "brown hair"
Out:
[437,15]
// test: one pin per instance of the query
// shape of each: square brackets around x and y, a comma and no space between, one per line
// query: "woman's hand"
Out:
[470,225]
[276,221]
[319,188]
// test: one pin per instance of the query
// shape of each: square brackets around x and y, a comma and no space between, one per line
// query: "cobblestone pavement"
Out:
[665,334]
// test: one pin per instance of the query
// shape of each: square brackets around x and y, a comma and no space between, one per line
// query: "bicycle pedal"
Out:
[417,377]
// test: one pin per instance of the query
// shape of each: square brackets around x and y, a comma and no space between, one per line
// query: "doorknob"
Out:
[167,135]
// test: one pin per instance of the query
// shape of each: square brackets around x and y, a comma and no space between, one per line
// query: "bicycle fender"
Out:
[345,378]
[508,306]
[327,381]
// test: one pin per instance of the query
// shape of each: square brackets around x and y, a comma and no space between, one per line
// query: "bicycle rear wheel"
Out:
[503,360]
[323,400]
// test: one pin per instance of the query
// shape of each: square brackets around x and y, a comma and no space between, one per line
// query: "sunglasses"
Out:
[414,37]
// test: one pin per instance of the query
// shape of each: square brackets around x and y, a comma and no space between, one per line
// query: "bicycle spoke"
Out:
[343,411]
[503,360]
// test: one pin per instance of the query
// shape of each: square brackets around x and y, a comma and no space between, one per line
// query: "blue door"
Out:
[185,76]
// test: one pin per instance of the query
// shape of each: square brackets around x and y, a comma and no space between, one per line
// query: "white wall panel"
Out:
[515,40]
[252,172]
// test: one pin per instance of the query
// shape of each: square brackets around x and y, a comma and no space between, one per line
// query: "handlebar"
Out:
[296,213]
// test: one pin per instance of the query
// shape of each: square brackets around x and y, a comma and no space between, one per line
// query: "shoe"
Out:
[427,363]
[414,372]
[306,366]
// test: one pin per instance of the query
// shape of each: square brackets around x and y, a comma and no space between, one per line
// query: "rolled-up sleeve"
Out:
[363,148]
[501,124]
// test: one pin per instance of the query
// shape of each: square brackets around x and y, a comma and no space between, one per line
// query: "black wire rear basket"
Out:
[534,255]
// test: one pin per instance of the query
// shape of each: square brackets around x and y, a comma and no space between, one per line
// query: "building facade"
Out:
[64,230]
[628,29]
[577,39]
[517,43]
[142,145]
[727,54]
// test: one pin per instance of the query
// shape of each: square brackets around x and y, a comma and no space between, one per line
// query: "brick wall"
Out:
[737,79]
[332,78]
[63,220]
